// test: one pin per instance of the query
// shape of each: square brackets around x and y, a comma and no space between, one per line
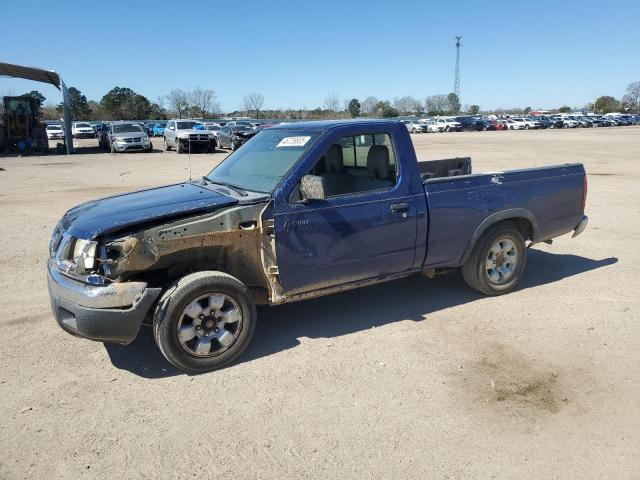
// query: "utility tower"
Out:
[456,82]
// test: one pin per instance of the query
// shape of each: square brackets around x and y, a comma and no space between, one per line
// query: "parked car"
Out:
[556,122]
[82,130]
[127,137]
[583,121]
[450,125]
[528,122]
[302,210]
[214,128]
[499,124]
[414,126]
[513,124]
[158,129]
[543,122]
[54,131]
[235,123]
[474,124]
[234,136]
[568,122]
[433,126]
[184,137]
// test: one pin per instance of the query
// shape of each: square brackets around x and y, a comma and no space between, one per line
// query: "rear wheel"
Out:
[497,261]
[204,321]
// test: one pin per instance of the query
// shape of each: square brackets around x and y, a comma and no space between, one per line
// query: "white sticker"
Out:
[293,142]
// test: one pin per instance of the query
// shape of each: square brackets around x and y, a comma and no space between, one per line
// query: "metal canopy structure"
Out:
[44,76]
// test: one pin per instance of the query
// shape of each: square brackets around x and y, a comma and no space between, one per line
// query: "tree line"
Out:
[121,103]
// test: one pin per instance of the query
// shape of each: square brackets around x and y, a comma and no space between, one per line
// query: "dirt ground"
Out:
[413,379]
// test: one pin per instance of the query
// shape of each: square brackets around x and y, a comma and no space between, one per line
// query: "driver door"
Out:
[364,229]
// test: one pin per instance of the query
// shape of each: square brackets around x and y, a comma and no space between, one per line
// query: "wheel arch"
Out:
[524,219]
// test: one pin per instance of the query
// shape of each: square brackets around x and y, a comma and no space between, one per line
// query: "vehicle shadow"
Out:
[412,298]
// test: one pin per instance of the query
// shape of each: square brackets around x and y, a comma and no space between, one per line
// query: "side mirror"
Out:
[313,187]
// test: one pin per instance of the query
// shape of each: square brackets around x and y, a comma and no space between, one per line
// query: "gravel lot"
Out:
[413,379]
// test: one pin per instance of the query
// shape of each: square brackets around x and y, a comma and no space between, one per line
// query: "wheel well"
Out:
[522,224]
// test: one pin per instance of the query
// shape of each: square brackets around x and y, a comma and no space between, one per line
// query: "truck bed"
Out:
[550,198]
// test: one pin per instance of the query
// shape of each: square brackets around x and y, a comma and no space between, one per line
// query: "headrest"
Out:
[378,162]
[333,159]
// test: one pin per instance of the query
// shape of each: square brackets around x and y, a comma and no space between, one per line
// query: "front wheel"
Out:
[497,261]
[166,145]
[179,146]
[204,321]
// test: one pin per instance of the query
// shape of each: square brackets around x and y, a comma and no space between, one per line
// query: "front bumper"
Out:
[110,313]
[85,134]
[132,146]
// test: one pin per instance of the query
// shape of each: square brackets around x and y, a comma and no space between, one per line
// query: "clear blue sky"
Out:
[517,53]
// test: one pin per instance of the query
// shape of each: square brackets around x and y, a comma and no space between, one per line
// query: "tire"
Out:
[526,127]
[212,147]
[179,147]
[150,147]
[166,145]
[475,271]
[170,314]
[113,148]
[447,129]
[233,146]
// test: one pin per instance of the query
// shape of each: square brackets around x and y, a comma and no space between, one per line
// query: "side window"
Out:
[357,164]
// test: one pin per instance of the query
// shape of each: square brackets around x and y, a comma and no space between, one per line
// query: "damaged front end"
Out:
[87,303]
[103,287]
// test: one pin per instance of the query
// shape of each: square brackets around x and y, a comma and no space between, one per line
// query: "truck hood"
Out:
[107,215]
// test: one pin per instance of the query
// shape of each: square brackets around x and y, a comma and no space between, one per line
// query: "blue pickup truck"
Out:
[301,210]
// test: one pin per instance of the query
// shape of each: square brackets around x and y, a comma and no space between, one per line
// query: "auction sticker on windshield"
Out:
[293,142]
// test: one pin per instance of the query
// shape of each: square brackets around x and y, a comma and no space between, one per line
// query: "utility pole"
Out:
[456,82]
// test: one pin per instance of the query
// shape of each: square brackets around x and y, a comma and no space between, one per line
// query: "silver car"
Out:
[128,136]
[188,135]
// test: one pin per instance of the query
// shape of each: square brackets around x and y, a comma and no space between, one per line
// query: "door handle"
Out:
[399,207]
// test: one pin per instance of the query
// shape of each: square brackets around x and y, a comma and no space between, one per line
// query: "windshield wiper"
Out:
[238,190]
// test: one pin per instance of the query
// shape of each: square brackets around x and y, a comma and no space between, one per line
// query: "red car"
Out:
[499,124]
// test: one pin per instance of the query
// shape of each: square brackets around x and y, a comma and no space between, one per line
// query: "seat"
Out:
[378,167]
[333,174]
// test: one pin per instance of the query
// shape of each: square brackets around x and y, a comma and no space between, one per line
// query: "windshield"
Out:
[161,125]
[213,127]
[54,127]
[260,164]
[83,125]
[127,127]
[186,125]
